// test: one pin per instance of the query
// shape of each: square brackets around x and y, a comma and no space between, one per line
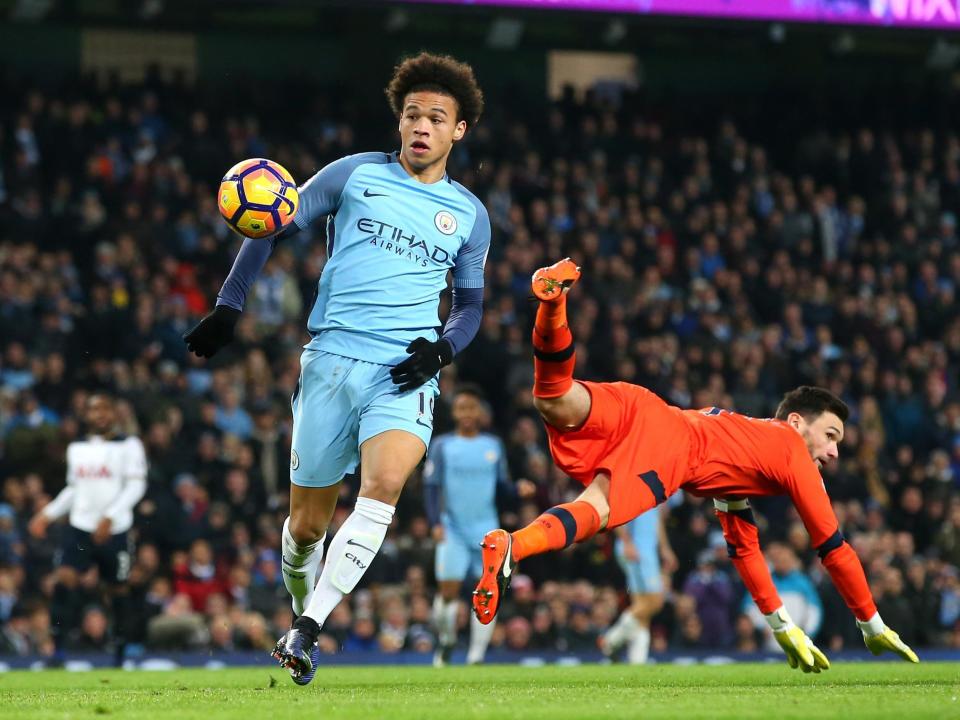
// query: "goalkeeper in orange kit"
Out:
[632,451]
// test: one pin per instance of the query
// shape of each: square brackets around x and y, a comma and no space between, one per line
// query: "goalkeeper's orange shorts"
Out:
[633,436]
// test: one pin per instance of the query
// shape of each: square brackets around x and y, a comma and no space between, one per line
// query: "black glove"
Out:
[426,359]
[213,332]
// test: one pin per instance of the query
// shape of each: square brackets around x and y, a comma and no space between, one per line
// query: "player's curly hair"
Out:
[811,402]
[437,73]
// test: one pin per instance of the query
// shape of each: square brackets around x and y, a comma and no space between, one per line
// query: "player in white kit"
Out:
[106,477]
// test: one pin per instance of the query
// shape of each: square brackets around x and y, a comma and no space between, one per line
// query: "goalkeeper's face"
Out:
[429,126]
[822,435]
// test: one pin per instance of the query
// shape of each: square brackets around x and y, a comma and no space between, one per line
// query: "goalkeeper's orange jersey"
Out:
[734,456]
[650,450]
[631,433]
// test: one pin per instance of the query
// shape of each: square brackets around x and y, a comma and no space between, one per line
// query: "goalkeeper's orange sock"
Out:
[554,355]
[557,528]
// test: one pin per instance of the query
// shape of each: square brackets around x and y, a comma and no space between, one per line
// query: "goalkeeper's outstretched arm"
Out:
[840,560]
[743,547]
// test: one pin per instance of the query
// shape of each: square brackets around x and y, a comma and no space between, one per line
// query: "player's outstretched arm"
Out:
[216,329]
[743,545]
[847,575]
[840,560]
[56,508]
[319,196]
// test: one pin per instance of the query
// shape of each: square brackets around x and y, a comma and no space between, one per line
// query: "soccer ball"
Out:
[258,198]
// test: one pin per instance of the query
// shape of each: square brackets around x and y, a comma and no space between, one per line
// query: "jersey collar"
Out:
[395,158]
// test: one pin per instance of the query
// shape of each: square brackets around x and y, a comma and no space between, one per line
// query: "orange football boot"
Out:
[498,567]
[549,283]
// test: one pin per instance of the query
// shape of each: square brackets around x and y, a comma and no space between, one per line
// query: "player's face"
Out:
[822,436]
[428,129]
[100,415]
[467,413]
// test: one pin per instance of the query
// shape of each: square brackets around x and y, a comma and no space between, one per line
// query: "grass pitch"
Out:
[771,691]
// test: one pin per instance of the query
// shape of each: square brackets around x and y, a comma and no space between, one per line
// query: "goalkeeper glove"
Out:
[213,332]
[800,650]
[879,638]
[426,359]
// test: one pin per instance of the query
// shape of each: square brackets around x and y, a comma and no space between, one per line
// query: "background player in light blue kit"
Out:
[465,470]
[639,547]
[396,225]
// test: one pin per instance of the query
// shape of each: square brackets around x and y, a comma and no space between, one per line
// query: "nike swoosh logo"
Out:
[354,542]
[507,568]
[426,425]
[367,193]
[288,201]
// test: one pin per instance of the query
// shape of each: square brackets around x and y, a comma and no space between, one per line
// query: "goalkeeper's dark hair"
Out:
[811,402]
[427,72]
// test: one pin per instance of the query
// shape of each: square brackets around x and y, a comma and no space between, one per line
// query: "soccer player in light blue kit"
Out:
[638,548]
[396,225]
[465,472]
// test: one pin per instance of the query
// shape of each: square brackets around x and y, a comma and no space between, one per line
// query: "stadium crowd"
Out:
[719,271]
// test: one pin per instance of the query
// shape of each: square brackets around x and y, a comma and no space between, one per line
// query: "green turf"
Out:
[772,691]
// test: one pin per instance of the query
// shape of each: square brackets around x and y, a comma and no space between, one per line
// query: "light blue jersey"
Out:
[466,471]
[390,242]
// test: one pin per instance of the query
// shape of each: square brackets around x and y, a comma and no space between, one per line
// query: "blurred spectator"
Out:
[713,592]
[195,575]
[91,636]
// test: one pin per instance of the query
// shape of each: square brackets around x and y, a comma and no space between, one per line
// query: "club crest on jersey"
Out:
[294,460]
[445,222]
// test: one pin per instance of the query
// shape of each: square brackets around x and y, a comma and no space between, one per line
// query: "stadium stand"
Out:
[722,267]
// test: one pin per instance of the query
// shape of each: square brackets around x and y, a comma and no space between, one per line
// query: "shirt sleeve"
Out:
[432,476]
[134,481]
[321,194]
[464,319]
[247,265]
[743,547]
[802,480]
[136,460]
[63,502]
[797,473]
[468,267]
